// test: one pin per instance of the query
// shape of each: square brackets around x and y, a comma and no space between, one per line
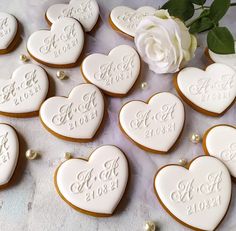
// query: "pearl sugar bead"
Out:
[31,154]
[61,75]
[150,226]
[195,138]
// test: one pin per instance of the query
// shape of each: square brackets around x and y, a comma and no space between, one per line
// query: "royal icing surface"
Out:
[85,11]
[9,152]
[156,125]
[78,116]
[229,60]
[8,30]
[96,185]
[61,45]
[212,90]
[127,19]
[221,143]
[25,91]
[115,73]
[200,196]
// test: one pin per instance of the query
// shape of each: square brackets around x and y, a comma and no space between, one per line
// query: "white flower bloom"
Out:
[164,42]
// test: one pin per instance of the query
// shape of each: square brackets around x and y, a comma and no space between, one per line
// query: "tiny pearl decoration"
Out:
[31,154]
[24,58]
[67,155]
[182,162]
[150,226]
[61,75]
[195,138]
[144,85]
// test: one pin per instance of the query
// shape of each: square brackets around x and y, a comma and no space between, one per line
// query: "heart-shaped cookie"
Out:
[8,32]
[211,92]
[126,19]
[220,141]
[197,197]
[229,60]
[24,92]
[9,152]
[116,73]
[85,11]
[96,186]
[154,126]
[59,47]
[76,118]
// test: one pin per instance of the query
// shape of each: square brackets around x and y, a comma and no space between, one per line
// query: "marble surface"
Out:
[31,203]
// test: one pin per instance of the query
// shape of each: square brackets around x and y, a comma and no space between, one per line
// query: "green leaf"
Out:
[220,41]
[183,9]
[218,9]
[198,2]
[201,25]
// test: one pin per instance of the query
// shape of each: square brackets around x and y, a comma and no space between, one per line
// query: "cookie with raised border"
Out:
[154,125]
[94,186]
[211,92]
[77,117]
[197,196]
[60,46]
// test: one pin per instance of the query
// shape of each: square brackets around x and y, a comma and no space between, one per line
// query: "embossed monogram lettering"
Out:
[166,112]
[83,11]
[89,100]
[229,154]
[4,147]
[141,120]
[83,181]
[65,114]
[111,73]
[53,42]
[131,19]
[4,29]
[211,90]
[213,184]
[110,170]
[184,191]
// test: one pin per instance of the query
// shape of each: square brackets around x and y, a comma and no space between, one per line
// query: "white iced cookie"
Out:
[9,152]
[154,126]
[211,91]
[59,47]
[94,186]
[8,31]
[76,118]
[116,73]
[197,197]
[229,60]
[220,141]
[127,19]
[24,92]
[85,11]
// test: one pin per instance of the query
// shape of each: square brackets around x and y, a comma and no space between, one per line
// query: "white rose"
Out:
[164,42]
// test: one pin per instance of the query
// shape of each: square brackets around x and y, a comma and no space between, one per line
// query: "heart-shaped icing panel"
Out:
[95,186]
[127,19]
[220,141]
[8,30]
[24,92]
[198,197]
[115,73]
[156,125]
[61,46]
[210,91]
[229,60]
[77,117]
[9,152]
[85,11]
